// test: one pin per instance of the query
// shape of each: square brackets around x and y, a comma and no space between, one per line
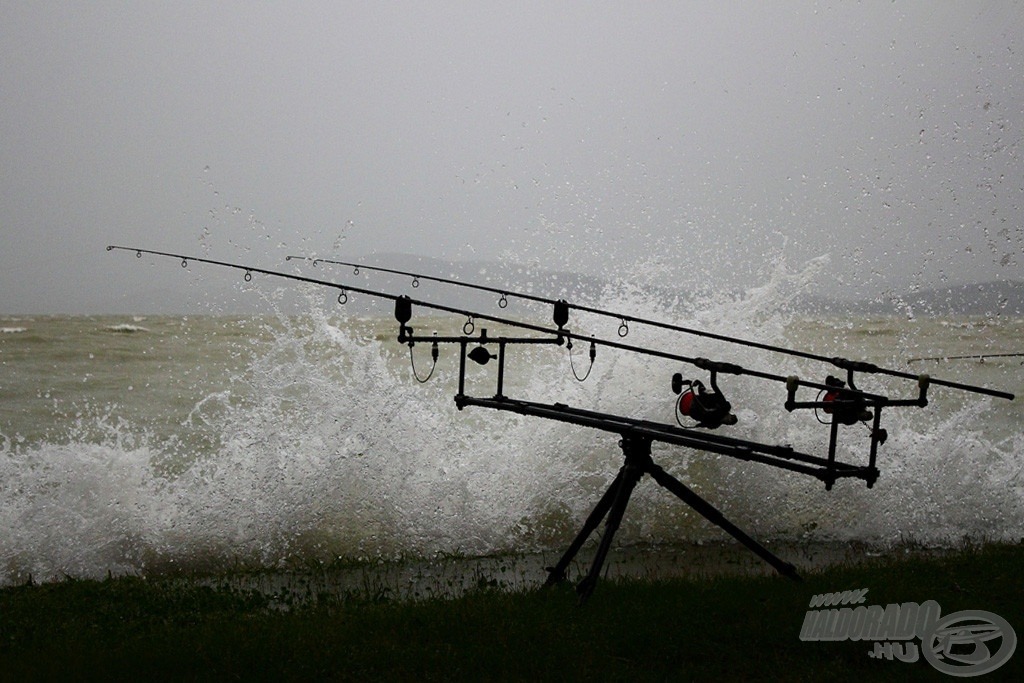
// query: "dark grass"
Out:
[725,628]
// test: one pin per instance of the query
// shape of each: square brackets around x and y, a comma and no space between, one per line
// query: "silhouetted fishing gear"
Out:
[344,289]
[847,412]
[560,316]
[844,402]
[593,356]
[708,408]
[434,352]
[625,318]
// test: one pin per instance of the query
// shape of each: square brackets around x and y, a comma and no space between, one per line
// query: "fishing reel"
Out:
[845,408]
[708,408]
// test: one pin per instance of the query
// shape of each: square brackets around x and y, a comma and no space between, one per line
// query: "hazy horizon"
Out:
[206,289]
[680,142]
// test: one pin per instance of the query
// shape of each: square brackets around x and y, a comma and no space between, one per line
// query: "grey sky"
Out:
[705,137]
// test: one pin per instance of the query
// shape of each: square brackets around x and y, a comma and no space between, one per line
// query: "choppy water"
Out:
[149,443]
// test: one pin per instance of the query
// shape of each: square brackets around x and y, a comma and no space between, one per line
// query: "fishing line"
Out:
[433,366]
[981,357]
[593,354]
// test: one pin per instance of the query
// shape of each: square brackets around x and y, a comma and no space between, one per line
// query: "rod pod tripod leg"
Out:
[631,475]
[637,452]
[556,574]
[712,514]
[614,499]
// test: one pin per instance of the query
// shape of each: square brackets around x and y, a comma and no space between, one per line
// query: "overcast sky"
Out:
[710,137]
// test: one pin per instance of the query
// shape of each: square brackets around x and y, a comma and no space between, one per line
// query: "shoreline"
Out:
[451,577]
[717,628]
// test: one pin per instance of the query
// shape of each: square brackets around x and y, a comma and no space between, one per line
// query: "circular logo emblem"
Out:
[969,643]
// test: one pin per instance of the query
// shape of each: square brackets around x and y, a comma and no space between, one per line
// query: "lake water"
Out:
[143,444]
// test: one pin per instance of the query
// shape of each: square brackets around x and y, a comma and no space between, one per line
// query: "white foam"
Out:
[333,451]
[126,328]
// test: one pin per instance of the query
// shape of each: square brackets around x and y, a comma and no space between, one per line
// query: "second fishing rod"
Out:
[624,318]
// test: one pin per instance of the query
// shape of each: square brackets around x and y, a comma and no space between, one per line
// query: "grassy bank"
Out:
[727,628]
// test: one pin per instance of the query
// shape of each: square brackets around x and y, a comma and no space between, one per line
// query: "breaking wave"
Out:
[324,448]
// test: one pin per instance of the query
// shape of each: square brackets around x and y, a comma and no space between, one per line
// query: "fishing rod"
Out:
[979,356]
[843,363]
[343,289]
[561,317]
[624,318]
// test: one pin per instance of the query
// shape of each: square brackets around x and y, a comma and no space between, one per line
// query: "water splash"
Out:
[326,449]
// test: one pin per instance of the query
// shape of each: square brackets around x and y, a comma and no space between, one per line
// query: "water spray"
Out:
[709,410]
